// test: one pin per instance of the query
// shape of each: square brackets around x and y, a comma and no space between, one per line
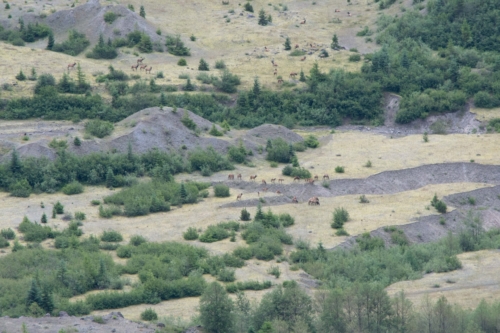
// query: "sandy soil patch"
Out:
[478,279]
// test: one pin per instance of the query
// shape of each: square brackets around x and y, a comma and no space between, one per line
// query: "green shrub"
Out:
[34,232]
[245,215]
[149,315]
[221,191]
[220,64]
[214,233]
[341,232]
[368,243]
[274,270]
[176,47]
[227,82]
[3,242]
[363,199]
[355,57]
[124,251]
[215,132]
[8,234]
[102,50]
[110,17]
[80,216]
[339,169]
[99,128]
[73,188]
[111,236]
[286,220]
[340,216]
[297,53]
[237,154]
[203,66]
[108,246]
[20,76]
[311,141]
[226,275]
[278,150]
[137,240]
[95,202]
[74,45]
[248,7]
[440,207]
[190,234]
[58,144]
[20,189]
[59,208]
[247,285]
[299,146]
[187,121]
[296,172]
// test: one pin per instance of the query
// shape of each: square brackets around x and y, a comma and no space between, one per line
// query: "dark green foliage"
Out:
[21,189]
[237,154]
[74,45]
[145,45]
[247,285]
[189,86]
[339,169]
[34,232]
[20,76]
[3,242]
[216,309]
[59,208]
[149,315]
[287,44]
[214,233]
[137,240]
[302,173]
[248,7]
[99,128]
[220,64]
[341,232]
[73,188]
[355,57]
[335,42]
[50,42]
[203,66]
[311,141]
[188,122]
[279,151]
[221,191]
[142,12]
[263,18]
[110,17]
[226,275]
[340,216]
[210,159]
[245,215]
[111,236]
[176,47]
[227,82]
[286,220]
[102,50]
[33,32]
[113,75]
[77,142]
[215,132]
[8,234]
[441,207]
[190,234]
[44,218]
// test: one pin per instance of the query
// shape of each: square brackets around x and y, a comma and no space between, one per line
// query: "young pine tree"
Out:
[20,76]
[44,218]
[287,44]
[256,87]
[302,77]
[203,66]
[183,193]
[142,12]
[262,17]
[335,42]
[77,142]
[216,309]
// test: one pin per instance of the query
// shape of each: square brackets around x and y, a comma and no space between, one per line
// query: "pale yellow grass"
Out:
[486,114]
[477,280]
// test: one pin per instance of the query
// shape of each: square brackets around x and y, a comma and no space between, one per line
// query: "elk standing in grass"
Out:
[293,75]
[296,178]
[294,200]
[143,67]
[325,176]
[238,197]
[273,180]
[230,177]
[139,61]
[302,59]
[253,177]
[281,180]
[71,66]
[264,182]
[134,67]
[239,176]
[314,201]
[149,69]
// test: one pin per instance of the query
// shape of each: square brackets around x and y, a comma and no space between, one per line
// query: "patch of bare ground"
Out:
[478,279]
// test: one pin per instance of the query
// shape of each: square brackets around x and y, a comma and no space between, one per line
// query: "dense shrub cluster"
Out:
[103,50]
[74,45]
[99,128]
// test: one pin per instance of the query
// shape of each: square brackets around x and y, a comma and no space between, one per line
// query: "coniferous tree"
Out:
[44,218]
[46,300]
[216,309]
[20,76]
[142,12]
[77,142]
[302,77]
[262,17]
[50,42]
[53,212]
[34,295]
[256,87]
[259,215]
[183,193]
[110,178]
[15,162]
[335,42]
[287,44]
[203,66]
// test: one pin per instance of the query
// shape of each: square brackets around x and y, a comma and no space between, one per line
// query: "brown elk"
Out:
[265,48]
[275,72]
[296,178]
[139,61]
[310,181]
[314,201]
[294,200]
[316,177]
[280,180]
[278,192]
[349,14]
[296,46]
[253,177]
[337,10]
[134,67]
[143,67]
[280,81]
[264,182]
[149,69]
[293,74]
[230,177]
[275,64]
[303,58]
[303,21]
[239,176]
[273,180]
[238,197]
[325,176]
[71,66]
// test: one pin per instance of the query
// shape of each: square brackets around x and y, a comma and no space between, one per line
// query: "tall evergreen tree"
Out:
[262,17]
[335,42]
[34,295]
[142,12]
[15,162]
[183,193]
[110,178]
[216,310]
[256,87]
[302,77]
[203,66]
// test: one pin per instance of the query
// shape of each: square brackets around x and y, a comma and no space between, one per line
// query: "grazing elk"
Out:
[239,176]
[316,177]
[303,21]
[143,67]
[325,176]
[225,2]
[296,46]
[275,64]
[273,180]
[275,72]
[293,75]
[278,192]
[71,66]
[264,182]
[294,200]
[230,177]
[149,69]
[264,189]
[310,181]
[253,177]
[139,61]
[296,178]
[238,197]
[280,180]
[134,67]
[314,201]
[303,58]
[349,14]
[337,10]
[280,81]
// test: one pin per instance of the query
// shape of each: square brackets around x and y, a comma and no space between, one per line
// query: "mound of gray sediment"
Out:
[164,130]
[35,149]
[89,19]
[264,132]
